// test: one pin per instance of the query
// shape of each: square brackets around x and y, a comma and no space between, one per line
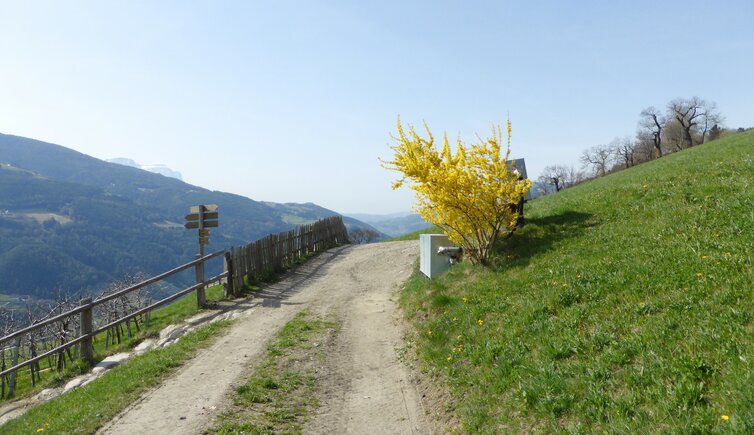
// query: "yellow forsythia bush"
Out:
[471,194]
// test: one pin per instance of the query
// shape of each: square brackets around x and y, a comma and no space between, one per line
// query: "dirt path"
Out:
[364,386]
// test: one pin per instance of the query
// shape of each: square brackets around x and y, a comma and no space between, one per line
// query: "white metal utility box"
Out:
[431,263]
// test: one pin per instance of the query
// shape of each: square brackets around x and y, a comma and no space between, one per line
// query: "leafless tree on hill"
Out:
[651,123]
[712,119]
[598,158]
[61,332]
[624,150]
[644,149]
[688,113]
[8,324]
[674,136]
[120,307]
[559,176]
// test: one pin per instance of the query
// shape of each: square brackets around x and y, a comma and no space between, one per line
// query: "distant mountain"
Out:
[71,222]
[157,169]
[395,224]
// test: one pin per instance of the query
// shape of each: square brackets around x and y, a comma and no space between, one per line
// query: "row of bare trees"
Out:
[685,122]
[40,341]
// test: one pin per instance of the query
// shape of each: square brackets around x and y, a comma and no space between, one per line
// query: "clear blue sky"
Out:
[294,101]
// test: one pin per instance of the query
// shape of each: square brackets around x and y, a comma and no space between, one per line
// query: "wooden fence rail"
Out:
[87,331]
[267,255]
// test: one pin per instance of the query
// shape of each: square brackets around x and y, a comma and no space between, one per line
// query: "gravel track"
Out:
[363,385]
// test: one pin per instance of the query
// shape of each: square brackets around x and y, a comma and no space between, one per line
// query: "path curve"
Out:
[365,388]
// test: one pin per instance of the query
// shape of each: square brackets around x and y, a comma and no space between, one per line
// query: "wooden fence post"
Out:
[85,328]
[14,361]
[229,280]
[201,298]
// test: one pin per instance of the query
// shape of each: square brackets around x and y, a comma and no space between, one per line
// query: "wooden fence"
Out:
[274,253]
[76,327]
[26,342]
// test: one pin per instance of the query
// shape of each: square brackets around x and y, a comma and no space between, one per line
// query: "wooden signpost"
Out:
[201,217]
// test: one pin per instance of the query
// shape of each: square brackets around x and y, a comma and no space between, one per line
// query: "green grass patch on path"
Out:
[625,305]
[87,408]
[281,392]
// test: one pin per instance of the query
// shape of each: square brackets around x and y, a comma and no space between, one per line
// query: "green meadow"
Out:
[625,305]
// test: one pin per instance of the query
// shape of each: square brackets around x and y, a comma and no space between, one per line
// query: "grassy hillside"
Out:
[625,305]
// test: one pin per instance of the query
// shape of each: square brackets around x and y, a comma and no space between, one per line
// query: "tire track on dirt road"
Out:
[364,387]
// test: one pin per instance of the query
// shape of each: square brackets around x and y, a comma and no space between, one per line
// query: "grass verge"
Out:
[87,408]
[625,305]
[282,390]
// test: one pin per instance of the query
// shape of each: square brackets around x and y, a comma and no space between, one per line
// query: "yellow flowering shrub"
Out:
[472,194]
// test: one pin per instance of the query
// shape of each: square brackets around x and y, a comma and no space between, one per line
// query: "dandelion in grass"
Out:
[455,318]
[699,274]
[429,332]
[724,418]
[41,429]
[465,300]
[450,358]
[704,257]
[480,322]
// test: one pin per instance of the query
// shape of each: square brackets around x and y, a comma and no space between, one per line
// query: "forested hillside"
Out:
[72,223]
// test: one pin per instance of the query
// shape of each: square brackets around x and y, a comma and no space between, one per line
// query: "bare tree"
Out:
[560,177]
[542,187]
[688,113]
[553,175]
[8,324]
[674,136]
[651,123]
[644,148]
[598,158]
[121,306]
[712,119]
[624,150]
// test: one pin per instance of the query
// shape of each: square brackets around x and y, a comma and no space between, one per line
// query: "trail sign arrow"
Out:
[205,216]
[192,225]
[208,207]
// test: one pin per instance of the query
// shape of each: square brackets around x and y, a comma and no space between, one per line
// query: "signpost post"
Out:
[201,217]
